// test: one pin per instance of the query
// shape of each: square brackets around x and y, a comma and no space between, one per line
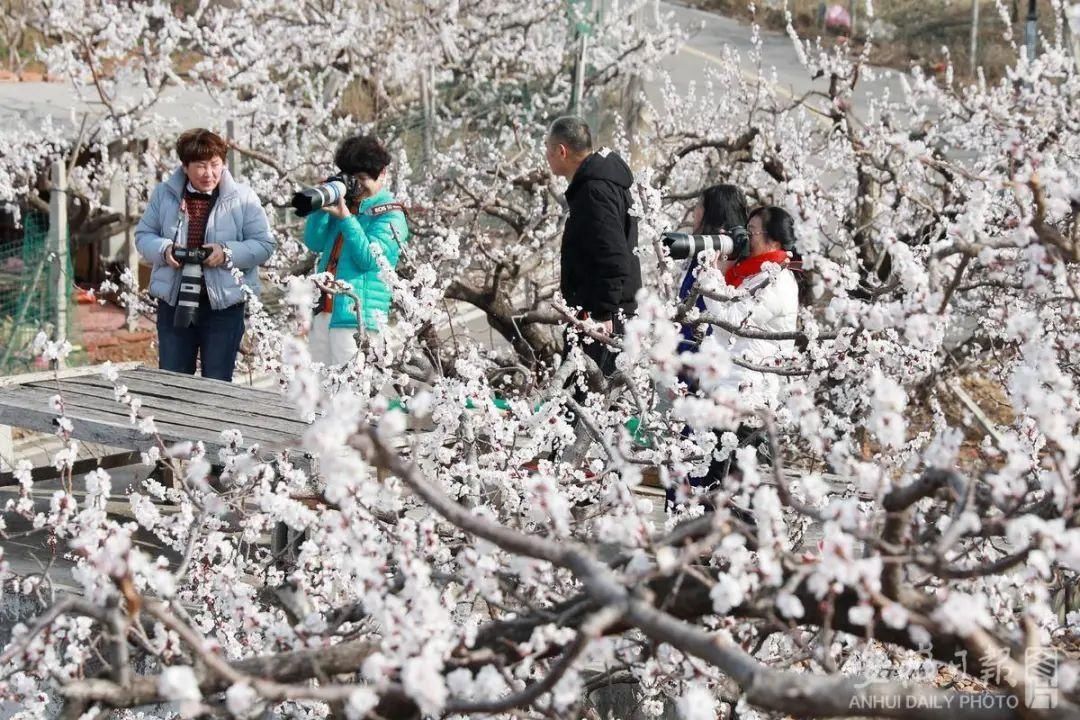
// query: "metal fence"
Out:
[28,295]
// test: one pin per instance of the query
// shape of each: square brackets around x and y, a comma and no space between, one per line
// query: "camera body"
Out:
[310,199]
[185,256]
[191,284]
[735,244]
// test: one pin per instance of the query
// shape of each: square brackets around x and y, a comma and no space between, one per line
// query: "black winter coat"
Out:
[600,272]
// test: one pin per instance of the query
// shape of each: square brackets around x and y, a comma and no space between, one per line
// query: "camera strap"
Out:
[181,214]
[326,300]
[376,210]
[388,207]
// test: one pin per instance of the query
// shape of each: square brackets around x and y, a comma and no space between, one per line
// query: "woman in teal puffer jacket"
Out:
[349,243]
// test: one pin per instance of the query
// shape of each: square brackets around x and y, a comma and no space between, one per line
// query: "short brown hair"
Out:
[199,145]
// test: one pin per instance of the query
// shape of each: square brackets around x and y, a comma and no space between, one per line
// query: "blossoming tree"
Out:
[481,559]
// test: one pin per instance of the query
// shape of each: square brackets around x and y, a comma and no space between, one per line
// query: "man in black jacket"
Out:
[600,272]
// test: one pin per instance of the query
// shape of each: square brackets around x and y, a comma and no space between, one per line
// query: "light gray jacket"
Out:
[237,223]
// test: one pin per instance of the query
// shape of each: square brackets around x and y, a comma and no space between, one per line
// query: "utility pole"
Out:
[427,102]
[129,247]
[232,158]
[579,75]
[59,282]
[974,36]
[580,12]
[1030,32]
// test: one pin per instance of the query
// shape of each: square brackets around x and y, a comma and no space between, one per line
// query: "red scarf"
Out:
[752,266]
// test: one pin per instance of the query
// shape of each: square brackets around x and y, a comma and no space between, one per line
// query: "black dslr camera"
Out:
[196,256]
[342,185]
[191,283]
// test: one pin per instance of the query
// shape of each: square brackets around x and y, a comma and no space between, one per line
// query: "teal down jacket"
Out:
[372,225]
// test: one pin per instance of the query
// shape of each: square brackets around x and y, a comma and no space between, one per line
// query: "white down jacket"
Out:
[765,302]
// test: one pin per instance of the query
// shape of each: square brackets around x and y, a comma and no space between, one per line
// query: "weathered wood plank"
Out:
[46,375]
[190,402]
[247,395]
[108,429]
[101,400]
[80,467]
[201,384]
[204,416]
[139,370]
[94,426]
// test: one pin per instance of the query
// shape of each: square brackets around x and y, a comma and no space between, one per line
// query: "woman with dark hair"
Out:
[721,208]
[775,225]
[351,238]
[767,301]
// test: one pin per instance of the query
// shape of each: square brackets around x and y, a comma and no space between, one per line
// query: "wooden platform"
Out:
[183,407]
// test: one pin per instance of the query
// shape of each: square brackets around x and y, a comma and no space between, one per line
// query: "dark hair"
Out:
[200,145]
[362,154]
[573,132]
[724,207]
[778,225]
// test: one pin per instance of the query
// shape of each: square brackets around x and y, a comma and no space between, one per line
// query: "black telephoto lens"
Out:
[302,203]
[191,285]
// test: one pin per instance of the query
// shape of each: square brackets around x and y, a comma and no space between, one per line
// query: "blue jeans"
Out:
[214,338]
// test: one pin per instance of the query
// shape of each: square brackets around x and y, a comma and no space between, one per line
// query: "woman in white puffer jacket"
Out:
[768,302]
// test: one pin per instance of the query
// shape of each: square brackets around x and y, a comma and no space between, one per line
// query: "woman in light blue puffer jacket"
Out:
[201,205]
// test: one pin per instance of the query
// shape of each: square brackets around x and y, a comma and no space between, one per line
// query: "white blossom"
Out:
[963,614]
[424,682]
[361,701]
[789,605]
[725,594]
[241,700]
[697,703]
[178,683]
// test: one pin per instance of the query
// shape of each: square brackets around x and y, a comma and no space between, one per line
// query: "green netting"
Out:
[27,293]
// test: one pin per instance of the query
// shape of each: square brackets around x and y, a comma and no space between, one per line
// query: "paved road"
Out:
[28,104]
[714,35]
